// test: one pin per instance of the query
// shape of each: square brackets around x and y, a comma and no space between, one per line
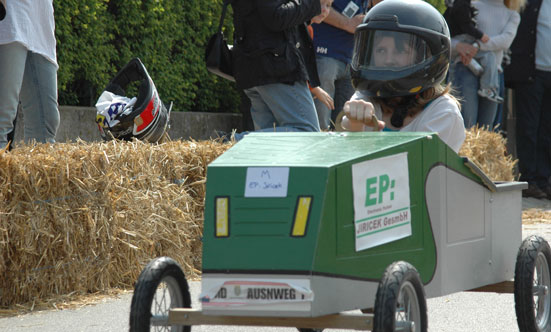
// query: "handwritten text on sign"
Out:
[267,182]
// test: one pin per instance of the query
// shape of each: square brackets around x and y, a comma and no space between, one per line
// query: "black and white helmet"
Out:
[144,117]
[402,48]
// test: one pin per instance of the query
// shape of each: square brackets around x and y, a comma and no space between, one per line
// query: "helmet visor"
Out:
[388,50]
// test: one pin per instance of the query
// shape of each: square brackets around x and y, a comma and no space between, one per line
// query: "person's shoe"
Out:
[534,191]
[491,95]
[547,191]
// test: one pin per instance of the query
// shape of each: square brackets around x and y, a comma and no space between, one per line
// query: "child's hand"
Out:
[484,38]
[361,112]
[324,97]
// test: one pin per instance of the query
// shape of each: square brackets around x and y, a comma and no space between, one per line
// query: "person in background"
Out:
[317,91]
[498,125]
[28,70]
[461,18]
[499,19]
[333,43]
[270,40]
[401,56]
[529,75]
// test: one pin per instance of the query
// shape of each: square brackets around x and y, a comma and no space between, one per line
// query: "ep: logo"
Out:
[376,187]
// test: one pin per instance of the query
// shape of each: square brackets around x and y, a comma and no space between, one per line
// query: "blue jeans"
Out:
[498,121]
[282,107]
[489,78]
[32,79]
[335,80]
[475,109]
[533,130]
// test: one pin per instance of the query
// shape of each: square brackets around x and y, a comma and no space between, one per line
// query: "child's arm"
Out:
[503,40]
[323,96]
[485,38]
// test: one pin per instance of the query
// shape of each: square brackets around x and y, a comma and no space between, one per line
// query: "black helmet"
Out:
[402,48]
[144,117]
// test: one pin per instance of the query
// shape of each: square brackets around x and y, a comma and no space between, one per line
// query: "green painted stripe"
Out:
[384,214]
[384,229]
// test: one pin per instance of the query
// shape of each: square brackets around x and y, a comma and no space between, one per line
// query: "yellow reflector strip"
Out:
[415,89]
[301,216]
[222,217]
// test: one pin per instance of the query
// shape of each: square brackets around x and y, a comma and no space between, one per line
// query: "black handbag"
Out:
[218,56]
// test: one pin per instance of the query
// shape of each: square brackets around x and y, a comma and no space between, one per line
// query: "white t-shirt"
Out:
[498,22]
[442,116]
[31,23]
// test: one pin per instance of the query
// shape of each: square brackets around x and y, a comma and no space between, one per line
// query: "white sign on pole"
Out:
[382,211]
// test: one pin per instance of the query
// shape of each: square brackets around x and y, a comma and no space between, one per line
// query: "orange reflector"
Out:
[302,213]
[222,217]
[138,121]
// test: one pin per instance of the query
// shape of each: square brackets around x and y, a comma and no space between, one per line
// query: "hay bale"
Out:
[81,217]
[488,150]
[536,216]
[86,217]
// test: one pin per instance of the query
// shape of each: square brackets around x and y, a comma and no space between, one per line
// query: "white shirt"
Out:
[442,116]
[499,23]
[30,23]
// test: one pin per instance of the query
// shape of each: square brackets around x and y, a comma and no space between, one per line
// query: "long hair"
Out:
[400,107]
[516,5]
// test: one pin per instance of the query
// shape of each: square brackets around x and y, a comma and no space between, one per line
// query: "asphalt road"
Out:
[463,311]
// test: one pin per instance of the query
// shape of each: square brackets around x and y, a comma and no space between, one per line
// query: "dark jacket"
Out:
[461,19]
[309,55]
[523,50]
[270,40]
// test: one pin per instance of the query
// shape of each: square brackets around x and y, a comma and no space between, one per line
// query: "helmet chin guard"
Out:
[144,117]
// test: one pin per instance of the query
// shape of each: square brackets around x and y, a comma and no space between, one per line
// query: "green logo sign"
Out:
[376,187]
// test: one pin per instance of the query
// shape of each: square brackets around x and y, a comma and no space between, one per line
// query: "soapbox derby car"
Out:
[303,229]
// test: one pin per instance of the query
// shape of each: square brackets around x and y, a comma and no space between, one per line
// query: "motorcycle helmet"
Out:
[401,49]
[144,117]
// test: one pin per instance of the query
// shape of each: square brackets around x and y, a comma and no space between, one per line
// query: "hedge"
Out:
[96,38]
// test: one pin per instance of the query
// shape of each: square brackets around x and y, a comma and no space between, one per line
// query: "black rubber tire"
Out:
[400,283]
[532,281]
[159,270]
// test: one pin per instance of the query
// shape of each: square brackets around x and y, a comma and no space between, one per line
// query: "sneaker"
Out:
[491,95]
[534,191]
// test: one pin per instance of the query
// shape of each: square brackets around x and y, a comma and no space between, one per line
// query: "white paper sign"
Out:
[267,182]
[244,292]
[382,211]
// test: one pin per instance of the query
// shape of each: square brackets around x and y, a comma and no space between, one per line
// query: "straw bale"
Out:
[488,150]
[80,218]
[536,216]
[86,217]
